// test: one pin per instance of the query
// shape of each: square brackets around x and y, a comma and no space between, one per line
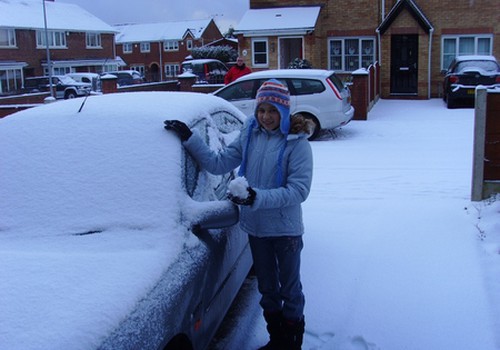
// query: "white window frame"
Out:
[171,69]
[259,63]
[57,39]
[358,53]
[10,35]
[189,44]
[145,46]
[171,45]
[127,47]
[93,40]
[445,61]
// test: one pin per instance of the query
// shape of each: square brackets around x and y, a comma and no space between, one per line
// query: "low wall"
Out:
[16,103]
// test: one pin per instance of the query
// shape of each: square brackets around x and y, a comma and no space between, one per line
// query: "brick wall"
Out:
[362,17]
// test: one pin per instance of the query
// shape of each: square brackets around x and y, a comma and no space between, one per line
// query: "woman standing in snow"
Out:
[275,157]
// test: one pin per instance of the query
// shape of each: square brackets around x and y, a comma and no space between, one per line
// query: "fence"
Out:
[365,90]
[486,160]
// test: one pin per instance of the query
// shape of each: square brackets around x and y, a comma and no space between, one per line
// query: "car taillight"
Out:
[337,93]
[453,79]
[497,80]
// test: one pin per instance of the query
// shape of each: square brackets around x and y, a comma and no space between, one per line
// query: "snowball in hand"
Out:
[238,187]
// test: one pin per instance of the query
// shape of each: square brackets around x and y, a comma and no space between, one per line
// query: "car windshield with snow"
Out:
[111,236]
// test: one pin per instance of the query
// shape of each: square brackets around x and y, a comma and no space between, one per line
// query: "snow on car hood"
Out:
[110,166]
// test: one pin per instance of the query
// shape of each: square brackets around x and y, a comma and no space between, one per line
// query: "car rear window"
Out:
[337,82]
[488,66]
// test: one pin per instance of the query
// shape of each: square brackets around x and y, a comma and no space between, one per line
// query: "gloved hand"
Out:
[243,201]
[179,128]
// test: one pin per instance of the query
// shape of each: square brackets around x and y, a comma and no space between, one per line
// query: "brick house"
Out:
[78,41]
[158,49]
[412,40]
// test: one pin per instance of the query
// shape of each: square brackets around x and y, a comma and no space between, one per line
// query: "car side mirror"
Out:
[212,215]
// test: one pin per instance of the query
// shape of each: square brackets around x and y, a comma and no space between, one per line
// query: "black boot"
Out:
[294,334]
[275,328]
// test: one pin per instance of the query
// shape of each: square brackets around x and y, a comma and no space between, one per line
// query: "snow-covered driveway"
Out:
[391,258]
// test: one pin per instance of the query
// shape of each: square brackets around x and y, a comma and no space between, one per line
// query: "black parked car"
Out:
[65,86]
[127,77]
[465,73]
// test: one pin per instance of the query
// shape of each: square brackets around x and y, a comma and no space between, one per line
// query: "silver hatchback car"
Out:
[315,93]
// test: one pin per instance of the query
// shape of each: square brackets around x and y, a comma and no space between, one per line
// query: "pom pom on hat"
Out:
[275,93]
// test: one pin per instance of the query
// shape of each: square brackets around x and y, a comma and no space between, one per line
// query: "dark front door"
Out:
[404,64]
[290,49]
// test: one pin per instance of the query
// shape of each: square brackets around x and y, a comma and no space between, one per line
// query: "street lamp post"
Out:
[49,64]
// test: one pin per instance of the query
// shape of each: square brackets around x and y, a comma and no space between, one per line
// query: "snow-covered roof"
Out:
[414,10]
[28,14]
[176,30]
[280,20]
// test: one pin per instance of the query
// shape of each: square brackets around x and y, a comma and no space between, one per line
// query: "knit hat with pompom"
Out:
[275,93]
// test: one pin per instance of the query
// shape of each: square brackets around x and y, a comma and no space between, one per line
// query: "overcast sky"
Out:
[225,12]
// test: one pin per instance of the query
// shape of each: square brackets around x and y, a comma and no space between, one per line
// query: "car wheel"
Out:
[317,126]
[69,94]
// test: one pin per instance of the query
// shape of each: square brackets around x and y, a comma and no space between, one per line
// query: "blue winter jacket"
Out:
[277,208]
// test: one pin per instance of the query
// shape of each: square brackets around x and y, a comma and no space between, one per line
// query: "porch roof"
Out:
[84,63]
[414,10]
[279,20]
[12,65]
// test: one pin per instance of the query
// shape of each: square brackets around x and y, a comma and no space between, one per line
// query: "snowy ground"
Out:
[396,255]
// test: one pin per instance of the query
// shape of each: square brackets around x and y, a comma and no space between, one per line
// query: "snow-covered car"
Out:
[111,237]
[315,93]
[207,70]
[465,73]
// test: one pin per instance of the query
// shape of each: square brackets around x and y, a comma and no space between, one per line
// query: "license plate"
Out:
[471,91]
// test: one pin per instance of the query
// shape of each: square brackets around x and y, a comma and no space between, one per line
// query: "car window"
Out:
[307,86]
[191,169]
[337,82]
[238,91]
[227,122]
[488,66]
[201,185]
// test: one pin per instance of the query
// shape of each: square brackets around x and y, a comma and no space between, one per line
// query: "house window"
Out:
[10,80]
[127,48]
[453,46]
[260,54]
[145,47]
[93,40]
[349,54]
[171,45]
[7,37]
[171,70]
[189,44]
[57,39]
